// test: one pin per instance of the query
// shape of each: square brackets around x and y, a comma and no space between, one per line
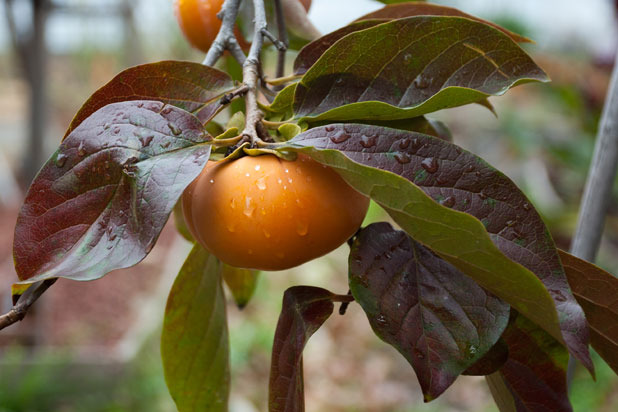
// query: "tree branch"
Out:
[226,40]
[19,310]
[283,38]
[598,189]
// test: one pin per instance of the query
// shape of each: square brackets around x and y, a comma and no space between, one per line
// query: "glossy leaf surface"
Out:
[597,293]
[439,319]
[382,163]
[535,372]
[102,199]
[305,309]
[194,342]
[241,282]
[189,86]
[439,62]
[398,11]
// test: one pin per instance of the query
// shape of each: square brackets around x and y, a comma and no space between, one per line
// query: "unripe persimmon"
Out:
[261,212]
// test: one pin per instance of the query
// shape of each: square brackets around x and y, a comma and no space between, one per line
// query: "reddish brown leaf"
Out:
[491,362]
[597,293]
[189,86]
[398,11]
[102,199]
[439,319]
[459,180]
[535,372]
[305,309]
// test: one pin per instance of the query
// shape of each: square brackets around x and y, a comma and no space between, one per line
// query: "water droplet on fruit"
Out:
[430,164]
[81,151]
[231,227]
[402,158]
[279,181]
[212,181]
[263,211]
[448,202]
[233,203]
[482,195]
[257,167]
[308,178]
[339,137]
[287,170]
[280,255]
[247,175]
[61,159]
[261,183]
[289,180]
[301,227]
[174,129]
[266,234]
[368,141]
[300,204]
[249,207]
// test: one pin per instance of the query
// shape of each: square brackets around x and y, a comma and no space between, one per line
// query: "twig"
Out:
[598,189]
[19,310]
[226,40]
[283,37]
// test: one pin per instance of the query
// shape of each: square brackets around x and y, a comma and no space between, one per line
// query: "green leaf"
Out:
[180,223]
[501,393]
[289,130]
[407,9]
[419,180]
[101,201]
[283,102]
[194,342]
[190,86]
[305,309]
[438,318]
[596,291]
[535,372]
[410,67]
[241,282]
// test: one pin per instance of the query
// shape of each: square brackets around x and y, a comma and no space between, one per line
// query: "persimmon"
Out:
[199,22]
[261,212]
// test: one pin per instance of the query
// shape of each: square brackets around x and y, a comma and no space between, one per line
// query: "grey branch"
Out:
[19,310]
[598,189]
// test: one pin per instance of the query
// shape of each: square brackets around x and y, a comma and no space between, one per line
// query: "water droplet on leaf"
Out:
[61,159]
[430,164]
[368,141]
[339,137]
[402,158]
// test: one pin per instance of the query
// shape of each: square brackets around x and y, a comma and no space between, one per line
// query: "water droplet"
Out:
[279,181]
[212,181]
[407,57]
[81,151]
[233,203]
[526,206]
[300,204]
[146,140]
[430,164]
[247,175]
[261,183]
[61,159]
[112,236]
[448,202]
[106,126]
[329,129]
[402,158]
[301,227]
[308,178]
[266,234]
[109,247]
[482,195]
[510,223]
[167,110]
[108,177]
[419,354]
[368,141]
[174,129]
[404,143]
[381,319]
[165,145]
[339,137]
[249,207]
[287,170]
[470,168]
[231,226]
[422,82]
[477,174]
[339,80]
[140,104]
[557,295]
[116,130]
[289,180]
[263,211]
[285,188]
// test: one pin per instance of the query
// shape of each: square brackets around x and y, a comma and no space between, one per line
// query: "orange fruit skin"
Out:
[198,21]
[269,214]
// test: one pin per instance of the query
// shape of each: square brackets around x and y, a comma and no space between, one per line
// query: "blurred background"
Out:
[95,346]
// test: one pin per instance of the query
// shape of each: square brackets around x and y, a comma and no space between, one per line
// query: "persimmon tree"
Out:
[470,282]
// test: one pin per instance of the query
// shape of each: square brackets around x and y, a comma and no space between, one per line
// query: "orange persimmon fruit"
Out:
[262,212]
